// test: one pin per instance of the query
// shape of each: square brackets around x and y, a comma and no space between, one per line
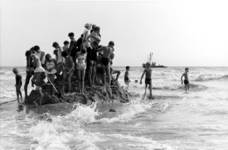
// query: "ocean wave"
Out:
[206,77]
[7,93]
[65,132]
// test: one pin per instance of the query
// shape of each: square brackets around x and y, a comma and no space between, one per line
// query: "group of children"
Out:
[82,55]
[148,73]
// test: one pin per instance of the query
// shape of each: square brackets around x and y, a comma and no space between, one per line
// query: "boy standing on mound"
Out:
[148,72]
[18,83]
[186,81]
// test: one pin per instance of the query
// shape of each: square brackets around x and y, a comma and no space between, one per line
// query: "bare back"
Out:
[106,51]
[185,76]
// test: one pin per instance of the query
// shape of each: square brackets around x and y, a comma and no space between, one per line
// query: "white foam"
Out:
[64,132]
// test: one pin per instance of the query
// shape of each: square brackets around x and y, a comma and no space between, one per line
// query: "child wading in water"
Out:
[126,76]
[68,70]
[186,81]
[18,83]
[81,67]
[148,72]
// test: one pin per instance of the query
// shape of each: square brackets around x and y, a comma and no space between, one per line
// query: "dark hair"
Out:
[111,43]
[71,34]
[65,42]
[83,50]
[64,53]
[47,55]
[55,44]
[96,28]
[95,43]
[28,53]
[127,67]
[186,68]
[36,48]
[55,52]
[31,49]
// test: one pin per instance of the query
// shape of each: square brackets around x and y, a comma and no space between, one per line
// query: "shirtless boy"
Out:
[186,81]
[148,72]
[105,61]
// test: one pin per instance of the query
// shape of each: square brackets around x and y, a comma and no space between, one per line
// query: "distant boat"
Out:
[154,66]
[149,59]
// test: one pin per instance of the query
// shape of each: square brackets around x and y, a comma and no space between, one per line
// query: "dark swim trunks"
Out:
[93,55]
[147,81]
[105,61]
[126,79]
[186,82]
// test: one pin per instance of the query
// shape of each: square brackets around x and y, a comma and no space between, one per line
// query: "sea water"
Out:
[175,120]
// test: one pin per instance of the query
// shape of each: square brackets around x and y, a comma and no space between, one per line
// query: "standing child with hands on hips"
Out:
[148,72]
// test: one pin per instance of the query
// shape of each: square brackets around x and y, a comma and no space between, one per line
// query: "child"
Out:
[86,34]
[186,81]
[73,47]
[18,83]
[66,45]
[148,72]
[39,82]
[50,66]
[126,76]
[68,70]
[81,67]
[59,59]
[105,61]
[92,58]
[29,69]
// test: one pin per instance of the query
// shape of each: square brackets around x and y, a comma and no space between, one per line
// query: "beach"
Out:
[175,120]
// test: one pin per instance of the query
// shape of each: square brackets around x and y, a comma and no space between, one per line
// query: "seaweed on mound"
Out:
[100,92]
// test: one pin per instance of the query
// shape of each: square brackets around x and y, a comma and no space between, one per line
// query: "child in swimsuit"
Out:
[126,76]
[50,66]
[81,67]
[68,70]
[39,82]
[148,72]
[18,83]
[29,69]
[59,59]
[38,68]
[92,58]
[186,81]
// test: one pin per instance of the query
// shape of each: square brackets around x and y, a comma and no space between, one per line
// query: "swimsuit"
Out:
[81,65]
[126,79]
[39,68]
[186,82]
[147,81]
[105,61]
[92,54]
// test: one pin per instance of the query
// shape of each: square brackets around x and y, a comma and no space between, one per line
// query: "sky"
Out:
[178,33]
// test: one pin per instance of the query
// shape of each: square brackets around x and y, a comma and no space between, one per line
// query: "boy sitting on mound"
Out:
[148,72]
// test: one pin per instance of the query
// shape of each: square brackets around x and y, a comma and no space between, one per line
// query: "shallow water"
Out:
[197,120]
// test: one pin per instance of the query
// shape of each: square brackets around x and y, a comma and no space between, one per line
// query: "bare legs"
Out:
[28,77]
[18,92]
[81,77]
[68,76]
[92,72]
[106,70]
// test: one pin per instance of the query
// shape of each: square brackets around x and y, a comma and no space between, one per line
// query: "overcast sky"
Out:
[179,33]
